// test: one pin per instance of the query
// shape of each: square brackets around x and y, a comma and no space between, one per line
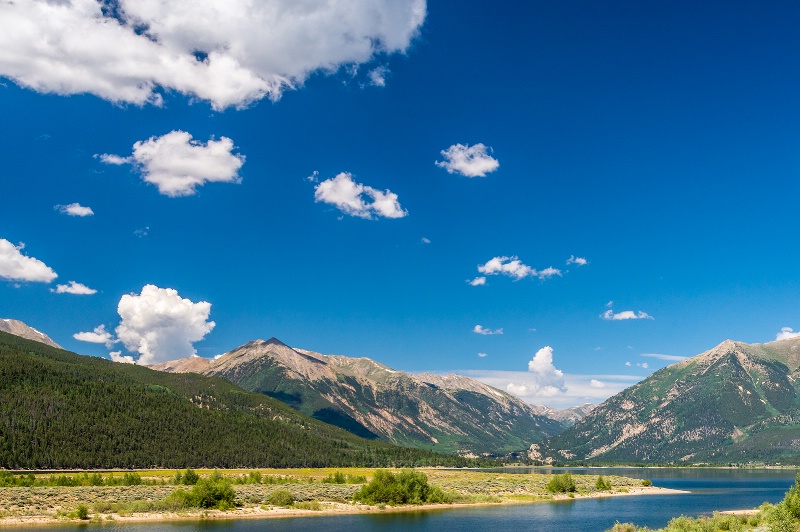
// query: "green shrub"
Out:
[206,493]
[602,484]
[561,484]
[82,512]
[281,498]
[406,487]
[308,505]
[254,477]
[647,482]
[131,479]
[190,478]
[336,478]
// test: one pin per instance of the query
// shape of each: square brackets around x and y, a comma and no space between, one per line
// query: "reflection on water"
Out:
[711,489]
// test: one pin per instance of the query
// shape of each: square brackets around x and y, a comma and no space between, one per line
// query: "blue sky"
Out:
[658,142]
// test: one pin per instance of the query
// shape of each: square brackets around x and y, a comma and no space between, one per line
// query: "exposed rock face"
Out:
[449,413]
[735,403]
[18,328]
[568,416]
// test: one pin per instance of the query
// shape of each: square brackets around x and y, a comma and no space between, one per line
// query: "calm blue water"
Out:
[710,490]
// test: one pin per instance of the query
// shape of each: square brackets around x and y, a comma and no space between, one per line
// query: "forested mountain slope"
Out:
[735,403]
[62,410]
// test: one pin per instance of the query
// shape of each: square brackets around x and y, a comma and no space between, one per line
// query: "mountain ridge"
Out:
[450,413]
[736,402]
[18,328]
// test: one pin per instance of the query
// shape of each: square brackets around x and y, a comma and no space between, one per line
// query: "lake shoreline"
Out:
[328,509]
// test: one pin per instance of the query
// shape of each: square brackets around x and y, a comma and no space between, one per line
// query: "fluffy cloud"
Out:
[786,333]
[624,315]
[544,379]
[353,198]
[177,165]
[480,329]
[14,266]
[230,54]
[159,325]
[482,355]
[514,268]
[77,289]
[425,240]
[478,281]
[98,336]
[377,76]
[580,261]
[117,356]
[74,209]
[594,383]
[469,161]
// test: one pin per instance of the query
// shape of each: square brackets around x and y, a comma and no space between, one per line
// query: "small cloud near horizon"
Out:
[786,333]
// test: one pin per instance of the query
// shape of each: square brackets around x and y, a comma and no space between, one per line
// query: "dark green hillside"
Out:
[735,403]
[62,410]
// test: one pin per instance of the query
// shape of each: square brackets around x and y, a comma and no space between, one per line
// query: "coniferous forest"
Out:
[60,410]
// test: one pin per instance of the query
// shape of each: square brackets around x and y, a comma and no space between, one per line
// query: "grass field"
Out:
[254,489]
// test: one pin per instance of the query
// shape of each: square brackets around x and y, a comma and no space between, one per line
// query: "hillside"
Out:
[62,410]
[735,403]
[447,413]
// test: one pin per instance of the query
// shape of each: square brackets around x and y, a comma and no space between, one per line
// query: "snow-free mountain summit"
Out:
[449,413]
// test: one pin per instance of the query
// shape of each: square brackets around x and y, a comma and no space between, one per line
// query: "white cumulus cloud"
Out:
[75,288]
[624,315]
[228,53]
[74,209]
[786,333]
[594,383]
[480,329]
[483,355]
[14,266]
[478,281]
[98,336]
[469,161]
[177,165]
[159,325]
[580,261]
[514,268]
[357,199]
[543,378]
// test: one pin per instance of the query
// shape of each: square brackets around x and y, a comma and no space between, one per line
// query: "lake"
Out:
[711,489]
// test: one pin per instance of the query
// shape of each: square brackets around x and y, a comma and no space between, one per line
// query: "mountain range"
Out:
[735,403]
[451,413]
[60,410]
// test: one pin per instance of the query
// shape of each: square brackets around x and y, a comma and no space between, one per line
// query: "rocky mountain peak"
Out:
[18,328]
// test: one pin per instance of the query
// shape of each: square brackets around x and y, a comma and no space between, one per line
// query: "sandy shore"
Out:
[327,509]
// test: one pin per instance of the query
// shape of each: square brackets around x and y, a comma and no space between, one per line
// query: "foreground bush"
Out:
[281,498]
[561,484]
[406,487]
[206,493]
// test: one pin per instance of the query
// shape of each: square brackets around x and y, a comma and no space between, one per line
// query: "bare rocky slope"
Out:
[568,416]
[18,328]
[735,403]
[449,413]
